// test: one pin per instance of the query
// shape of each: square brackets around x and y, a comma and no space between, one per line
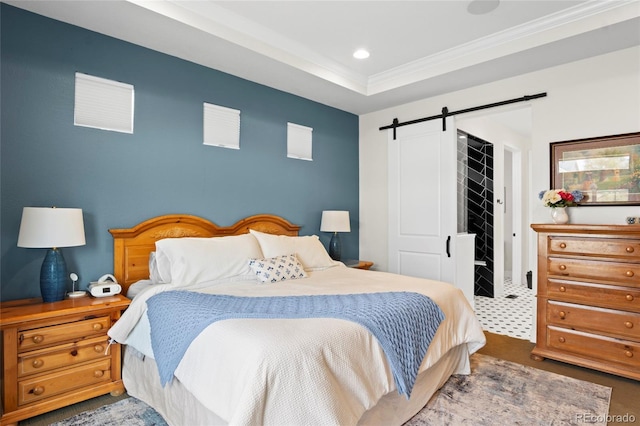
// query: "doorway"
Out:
[509,131]
[475,164]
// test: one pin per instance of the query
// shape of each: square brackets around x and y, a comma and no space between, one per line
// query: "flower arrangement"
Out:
[560,198]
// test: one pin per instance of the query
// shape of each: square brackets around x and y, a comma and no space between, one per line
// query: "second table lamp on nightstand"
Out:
[51,228]
[335,221]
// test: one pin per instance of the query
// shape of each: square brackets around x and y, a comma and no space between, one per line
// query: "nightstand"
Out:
[56,354]
[358,264]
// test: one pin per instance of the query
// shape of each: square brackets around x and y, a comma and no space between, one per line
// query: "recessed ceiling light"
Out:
[361,54]
[480,7]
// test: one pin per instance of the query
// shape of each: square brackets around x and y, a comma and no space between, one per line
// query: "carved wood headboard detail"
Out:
[132,246]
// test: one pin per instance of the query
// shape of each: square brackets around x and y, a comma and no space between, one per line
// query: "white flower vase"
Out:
[559,215]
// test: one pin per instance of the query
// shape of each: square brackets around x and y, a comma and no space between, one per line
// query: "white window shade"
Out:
[299,142]
[103,104]
[221,126]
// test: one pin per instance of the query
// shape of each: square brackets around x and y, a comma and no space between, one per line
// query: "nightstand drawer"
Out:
[598,247]
[62,356]
[47,336]
[582,317]
[606,296]
[594,346]
[41,387]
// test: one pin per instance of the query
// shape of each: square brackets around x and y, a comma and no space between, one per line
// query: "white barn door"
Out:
[422,200]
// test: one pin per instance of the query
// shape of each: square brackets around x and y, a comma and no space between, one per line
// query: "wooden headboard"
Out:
[132,246]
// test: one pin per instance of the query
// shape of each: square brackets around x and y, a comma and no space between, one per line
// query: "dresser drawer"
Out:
[598,247]
[613,272]
[606,296]
[40,387]
[595,347]
[583,317]
[66,355]
[47,336]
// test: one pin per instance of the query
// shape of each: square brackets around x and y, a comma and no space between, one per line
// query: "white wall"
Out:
[589,98]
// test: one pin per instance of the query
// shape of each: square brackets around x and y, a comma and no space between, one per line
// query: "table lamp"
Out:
[52,228]
[335,221]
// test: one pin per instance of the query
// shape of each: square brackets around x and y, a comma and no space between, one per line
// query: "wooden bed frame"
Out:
[132,246]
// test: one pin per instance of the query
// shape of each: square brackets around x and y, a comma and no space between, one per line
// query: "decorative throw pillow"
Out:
[279,268]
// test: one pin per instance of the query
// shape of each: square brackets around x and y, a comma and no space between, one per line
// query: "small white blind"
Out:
[103,104]
[299,142]
[221,126]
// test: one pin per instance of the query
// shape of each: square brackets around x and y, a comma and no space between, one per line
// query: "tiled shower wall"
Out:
[475,205]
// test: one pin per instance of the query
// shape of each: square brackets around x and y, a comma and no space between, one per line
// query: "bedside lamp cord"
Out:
[111,342]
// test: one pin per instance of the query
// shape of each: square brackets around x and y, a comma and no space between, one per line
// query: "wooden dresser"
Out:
[56,354]
[588,305]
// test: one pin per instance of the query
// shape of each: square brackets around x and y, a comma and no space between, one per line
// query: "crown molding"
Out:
[570,22]
[222,23]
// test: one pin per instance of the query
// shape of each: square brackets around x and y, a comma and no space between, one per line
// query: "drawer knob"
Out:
[629,297]
[628,324]
[98,348]
[563,245]
[563,288]
[629,354]
[562,314]
[562,339]
[98,373]
[629,249]
[38,338]
[37,363]
[97,326]
[629,274]
[562,267]
[38,390]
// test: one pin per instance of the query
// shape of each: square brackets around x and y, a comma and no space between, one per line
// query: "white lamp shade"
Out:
[335,221]
[48,227]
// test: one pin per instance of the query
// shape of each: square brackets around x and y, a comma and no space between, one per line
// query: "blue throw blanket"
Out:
[404,323]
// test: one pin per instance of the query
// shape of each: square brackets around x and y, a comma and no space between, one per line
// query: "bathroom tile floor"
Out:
[507,315]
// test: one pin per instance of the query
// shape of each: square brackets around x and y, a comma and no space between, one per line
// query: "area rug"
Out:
[500,392]
[497,392]
[129,412]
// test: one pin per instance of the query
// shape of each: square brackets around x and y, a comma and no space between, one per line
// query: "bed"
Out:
[271,370]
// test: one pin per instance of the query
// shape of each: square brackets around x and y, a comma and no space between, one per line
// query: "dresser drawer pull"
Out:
[563,245]
[98,373]
[628,324]
[38,390]
[563,288]
[98,348]
[37,363]
[562,314]
[629,354]
[629,274]
[97,327]
[562,267]
[629,297]
[561,339]
[38,338]
[629,249]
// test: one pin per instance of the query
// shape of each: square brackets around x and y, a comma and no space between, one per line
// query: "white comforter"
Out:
[299,371]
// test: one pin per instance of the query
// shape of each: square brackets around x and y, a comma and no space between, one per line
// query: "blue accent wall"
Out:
[121,179]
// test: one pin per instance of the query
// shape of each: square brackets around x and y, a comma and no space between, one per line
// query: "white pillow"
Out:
[154,272]
[196,260]
[309,250]
[279,268]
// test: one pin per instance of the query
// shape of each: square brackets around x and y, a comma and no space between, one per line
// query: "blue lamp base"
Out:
[53,275]
[334,246]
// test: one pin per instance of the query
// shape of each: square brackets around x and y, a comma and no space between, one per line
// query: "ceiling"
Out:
[418,49]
